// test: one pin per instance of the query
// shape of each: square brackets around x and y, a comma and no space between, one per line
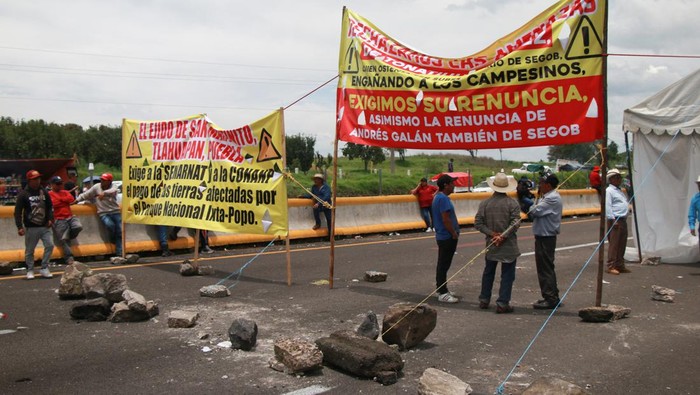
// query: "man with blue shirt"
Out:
[616,209]
[321,190]
[446,235]
[546,224]
[694,211]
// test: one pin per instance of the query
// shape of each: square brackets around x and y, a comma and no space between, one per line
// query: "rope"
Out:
[653,55]
[501,387]
[308,94]
[238,272]
[313,196]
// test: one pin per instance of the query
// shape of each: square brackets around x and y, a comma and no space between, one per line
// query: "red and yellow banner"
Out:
[189,172]
[540,85]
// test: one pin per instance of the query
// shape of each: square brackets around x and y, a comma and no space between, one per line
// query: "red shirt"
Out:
[425,195]
[61,201]
[594,179]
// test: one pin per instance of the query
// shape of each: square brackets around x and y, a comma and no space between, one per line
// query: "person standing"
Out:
[596,181]
[163,240]
[446,235]
[546,217]
[321,190]
[66,225]
[34,218]
[694,211]
[498,217]
[451,166]
[108,209]
[616,209]
[425,193]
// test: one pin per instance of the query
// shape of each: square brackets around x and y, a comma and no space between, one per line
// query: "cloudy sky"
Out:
[97,62]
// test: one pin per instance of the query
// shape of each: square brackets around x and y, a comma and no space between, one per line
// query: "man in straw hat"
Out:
[616,209]
[494,218]
[694,211]
[323,192]
[546,224]
[446,235]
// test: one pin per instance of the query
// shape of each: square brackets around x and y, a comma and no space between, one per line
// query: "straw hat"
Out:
[613,172]
[502,183]
[318,175]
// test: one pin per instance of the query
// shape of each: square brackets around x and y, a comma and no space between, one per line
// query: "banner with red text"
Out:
[540,85]
[191,173]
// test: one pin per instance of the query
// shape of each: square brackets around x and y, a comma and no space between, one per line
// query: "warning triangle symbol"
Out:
[133,151]
[267,150]
[585,42]
[352,60]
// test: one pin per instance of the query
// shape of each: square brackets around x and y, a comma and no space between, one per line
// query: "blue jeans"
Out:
[113,223]
[427,216]
[162,236]
[32,236]
[507,278]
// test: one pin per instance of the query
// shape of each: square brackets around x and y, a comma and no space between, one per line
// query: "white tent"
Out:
[666,152]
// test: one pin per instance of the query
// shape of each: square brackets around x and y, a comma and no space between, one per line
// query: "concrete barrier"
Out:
[354,215]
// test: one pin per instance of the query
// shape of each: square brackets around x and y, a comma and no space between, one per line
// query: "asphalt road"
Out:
[655,351]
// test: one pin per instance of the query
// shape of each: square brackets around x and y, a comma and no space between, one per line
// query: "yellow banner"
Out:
[540,85]
[189,172]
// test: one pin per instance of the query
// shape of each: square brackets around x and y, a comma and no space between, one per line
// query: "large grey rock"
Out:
[91,310]
[662,294]
[603,313]
[359,355]
[407,325]
[105,285]
[553,386]
[6,268]
[132,258]
[214,291]
[134,300]
[437,382]
[369,327]
[122,313]
[71,286]
[298,355]
[243,334]
[182,319]
[375,277]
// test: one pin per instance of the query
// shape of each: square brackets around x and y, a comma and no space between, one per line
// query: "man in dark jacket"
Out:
[34,217]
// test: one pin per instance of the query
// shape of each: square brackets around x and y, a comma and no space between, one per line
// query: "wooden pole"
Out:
[195,261]
[123,225]
[334,187]
[604,165]
[287,245]
[634,200]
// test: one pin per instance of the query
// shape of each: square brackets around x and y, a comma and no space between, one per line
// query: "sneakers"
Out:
[167,253]
[30,275]
[45,273]
[545,304]
[447,298]
[206,250]
[429,230]
[612,270]
[504,309]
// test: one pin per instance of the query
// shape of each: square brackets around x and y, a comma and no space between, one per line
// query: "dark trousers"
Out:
[544,259]
[326,212]
[617,239]
[507,278]
[446,251]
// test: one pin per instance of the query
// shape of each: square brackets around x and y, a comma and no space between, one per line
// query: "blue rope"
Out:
[501,387]
[238,272]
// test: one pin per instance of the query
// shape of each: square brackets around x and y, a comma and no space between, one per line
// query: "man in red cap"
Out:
[107,208]
[595,180]
[66,225]
[34,217]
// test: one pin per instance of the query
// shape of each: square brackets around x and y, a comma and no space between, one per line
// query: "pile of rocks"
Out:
[107,295]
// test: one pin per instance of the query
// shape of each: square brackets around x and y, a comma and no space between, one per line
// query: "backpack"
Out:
[38,213]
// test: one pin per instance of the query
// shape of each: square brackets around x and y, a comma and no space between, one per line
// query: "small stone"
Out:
[6,268]
[651,261]
[117,260]
[132,258]
[205,270]
[182,319]
[437,382]
[186,269]
[375,277]
[603,313]
[214,291]
[387,378]
[369,326]
[134,300]
[298,355]
[662,294]
[243,334]
[202,335]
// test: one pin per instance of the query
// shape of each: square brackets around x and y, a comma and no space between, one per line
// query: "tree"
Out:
[578,152]
[365,152]
[301,147]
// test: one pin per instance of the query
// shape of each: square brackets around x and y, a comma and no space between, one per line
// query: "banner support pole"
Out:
[195,261]
[288,251]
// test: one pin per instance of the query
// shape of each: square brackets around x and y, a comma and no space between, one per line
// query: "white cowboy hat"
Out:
[318,175]
[502,183]
[613,172]
[698,179]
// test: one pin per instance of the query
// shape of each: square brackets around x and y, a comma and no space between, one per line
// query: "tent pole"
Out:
[604,165]
[634,201]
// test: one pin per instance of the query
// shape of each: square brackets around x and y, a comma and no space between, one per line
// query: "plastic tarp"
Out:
[666,144]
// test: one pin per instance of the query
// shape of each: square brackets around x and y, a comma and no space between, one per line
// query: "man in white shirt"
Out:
[616,209]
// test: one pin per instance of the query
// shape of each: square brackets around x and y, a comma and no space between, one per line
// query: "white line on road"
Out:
[571,247]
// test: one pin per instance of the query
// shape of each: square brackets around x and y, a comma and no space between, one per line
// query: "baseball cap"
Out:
[551,180]
[444,180]
[56,180]
[32,174]
[106,177]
